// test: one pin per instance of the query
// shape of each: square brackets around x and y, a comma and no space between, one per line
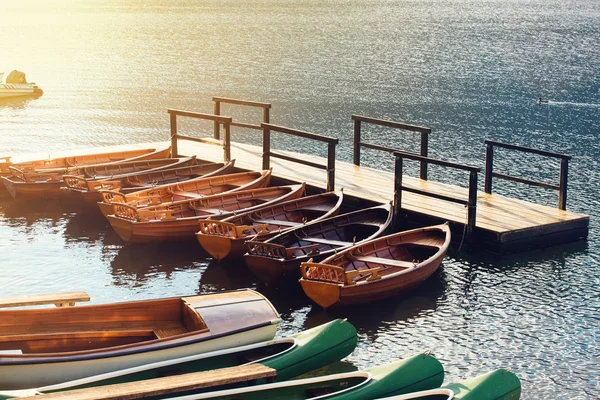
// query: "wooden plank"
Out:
[59,299]
[168,385]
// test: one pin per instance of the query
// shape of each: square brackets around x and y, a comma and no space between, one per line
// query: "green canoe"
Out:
[290,357]
[418,372]
[500,384]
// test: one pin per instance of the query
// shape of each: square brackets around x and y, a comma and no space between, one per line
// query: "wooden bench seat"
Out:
[167,386]
[58,299]
[277,222]
[326,241]
[384,261]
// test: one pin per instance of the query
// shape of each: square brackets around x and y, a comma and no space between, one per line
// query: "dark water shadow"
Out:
[138,263]
[28,212]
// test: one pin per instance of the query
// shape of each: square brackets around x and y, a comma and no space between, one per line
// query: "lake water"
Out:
[469,70]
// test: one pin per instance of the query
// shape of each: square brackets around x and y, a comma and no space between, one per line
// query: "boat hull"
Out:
[392,276]
[48,373]
[63,344]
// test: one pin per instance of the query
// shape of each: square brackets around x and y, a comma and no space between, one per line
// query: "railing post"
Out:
[562,193]
[357,142]
[472,207]
[266,146]
[424,153]
[217,128]
[397,205]
[173,118]
[489,167]
[266,115]
[227,142]
[330,167]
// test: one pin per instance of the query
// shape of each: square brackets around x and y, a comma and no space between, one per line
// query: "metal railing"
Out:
[470,203]
[398,125]
[331,143]
[564,170]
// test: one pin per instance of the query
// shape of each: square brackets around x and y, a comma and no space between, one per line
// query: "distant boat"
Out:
[542,101]
[14,84]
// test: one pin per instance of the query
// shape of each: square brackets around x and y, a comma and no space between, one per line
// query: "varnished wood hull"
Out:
[170,176]
[327,292]
[225,244]
[80,193]
[50,188]
[84,159]
[269,265]
[157,230]
[226,320]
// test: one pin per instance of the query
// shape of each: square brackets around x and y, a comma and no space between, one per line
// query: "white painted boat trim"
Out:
[250,389]
[166,363]
[424,393]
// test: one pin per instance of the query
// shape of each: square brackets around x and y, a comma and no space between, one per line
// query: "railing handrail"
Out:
[391,124]
[435,161]
[217,111]
[241,102]
[211,117]
[304,134]
[331,143]
[527,149]
[564,170]
[471,201]
[358,144]
[218,120]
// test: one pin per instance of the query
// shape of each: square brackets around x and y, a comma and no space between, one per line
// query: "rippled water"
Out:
[469,70]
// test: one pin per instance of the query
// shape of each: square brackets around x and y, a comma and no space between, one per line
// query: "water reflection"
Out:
[28,212]
[17,103]
[139,263]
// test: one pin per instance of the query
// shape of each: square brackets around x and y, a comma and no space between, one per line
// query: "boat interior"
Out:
[81,328]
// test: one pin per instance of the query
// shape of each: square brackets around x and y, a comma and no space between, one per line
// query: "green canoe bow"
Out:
[500,384]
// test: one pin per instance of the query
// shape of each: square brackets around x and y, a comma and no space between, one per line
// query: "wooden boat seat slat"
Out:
[326,241]
[277,222]
[160,387]
[58,299]
[164,333]
[187,194]
[384,261]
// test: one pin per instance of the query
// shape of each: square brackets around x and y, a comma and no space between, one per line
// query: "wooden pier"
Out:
[479,219]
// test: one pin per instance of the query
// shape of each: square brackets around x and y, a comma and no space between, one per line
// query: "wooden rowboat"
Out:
[226,238]
[376,269]
[149,180]
[83,189]
[51,345]
[179,220]
[287,357]
[188,189]
[47,182]
[281,256]
[81,160]
[500,384]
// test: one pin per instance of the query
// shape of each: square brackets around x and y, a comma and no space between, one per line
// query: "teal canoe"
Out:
[500,384]
[292,356]
[419,372]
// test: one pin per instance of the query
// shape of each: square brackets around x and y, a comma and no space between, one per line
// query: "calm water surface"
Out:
[469,70]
